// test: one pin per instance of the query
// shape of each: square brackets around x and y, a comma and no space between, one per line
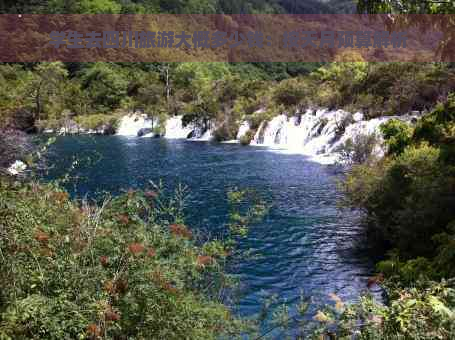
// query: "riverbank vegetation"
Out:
[94,95]
[125,268]
[408,198]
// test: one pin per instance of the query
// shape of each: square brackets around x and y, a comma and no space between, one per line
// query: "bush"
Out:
[247,138]
[159,130]
[425,311]
[97,121]
[409,196]
[397,135]
[289,92]
[358,150]
[225,132]
[124,269]
[405,199]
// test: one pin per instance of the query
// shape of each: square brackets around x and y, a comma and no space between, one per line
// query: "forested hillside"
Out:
[177,7]
[95,93]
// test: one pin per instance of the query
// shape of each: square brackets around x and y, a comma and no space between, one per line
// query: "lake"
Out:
[305,244]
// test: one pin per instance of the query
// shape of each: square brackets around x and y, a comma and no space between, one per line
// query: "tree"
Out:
[46,82]
[406,9]
[84,6]
[106,84]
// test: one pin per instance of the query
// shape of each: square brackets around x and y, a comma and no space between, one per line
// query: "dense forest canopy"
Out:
[227,93]
[177,7]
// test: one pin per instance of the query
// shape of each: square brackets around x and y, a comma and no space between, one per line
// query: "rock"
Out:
[107,129]
[192,134]
[70,128]
[144,131]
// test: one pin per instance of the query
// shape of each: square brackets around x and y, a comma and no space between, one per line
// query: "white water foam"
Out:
[317,133]
[176,130]
[130,125]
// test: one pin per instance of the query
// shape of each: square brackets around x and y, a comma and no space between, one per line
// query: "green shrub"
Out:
[159,130]
[225,132]
[128,268]
[97,121]
[358,150]
[397,135]
[425,311]
[289,92]
[408,197]
[445,257]
[247,137]
[369,104]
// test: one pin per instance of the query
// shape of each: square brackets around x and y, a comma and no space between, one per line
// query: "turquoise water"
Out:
[304,245]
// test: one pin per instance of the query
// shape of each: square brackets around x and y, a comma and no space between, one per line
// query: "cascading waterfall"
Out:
[206,136]
[243,129]
[315,133]
[141,126]
[318,133]
[135,125]
[176,130]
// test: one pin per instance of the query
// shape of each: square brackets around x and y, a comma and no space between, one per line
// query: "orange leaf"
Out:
[203,260]
[41,236]
[104,260]
[136,248]
[151,252]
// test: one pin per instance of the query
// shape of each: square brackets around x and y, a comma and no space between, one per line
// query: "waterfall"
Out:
[194,132]
[135,125]
[141,126]
[176,130]
[206,136]
[243,129]
[318,133]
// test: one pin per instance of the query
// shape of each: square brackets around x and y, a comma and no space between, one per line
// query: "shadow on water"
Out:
[305,244]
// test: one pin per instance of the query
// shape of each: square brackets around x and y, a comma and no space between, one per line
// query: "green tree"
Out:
[106,84]
[84,6]
[45,86]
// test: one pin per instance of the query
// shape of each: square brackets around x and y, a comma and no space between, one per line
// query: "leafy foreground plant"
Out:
[425,311]
[408,198]
[127,269]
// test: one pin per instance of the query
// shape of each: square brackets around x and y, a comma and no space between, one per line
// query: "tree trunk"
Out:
[168,87]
